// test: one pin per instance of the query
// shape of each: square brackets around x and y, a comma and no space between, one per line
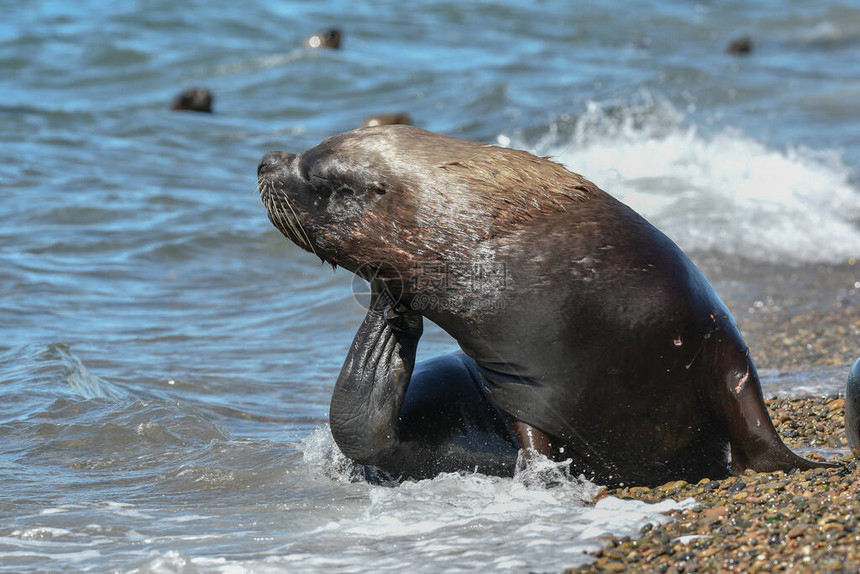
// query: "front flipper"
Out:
[373,381]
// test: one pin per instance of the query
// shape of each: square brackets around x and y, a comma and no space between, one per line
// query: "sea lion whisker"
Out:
[273,206]
[300,226]
[276,213]
[289,223]
[282,216]
[291,220]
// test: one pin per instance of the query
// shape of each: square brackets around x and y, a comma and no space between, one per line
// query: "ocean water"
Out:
[167,358]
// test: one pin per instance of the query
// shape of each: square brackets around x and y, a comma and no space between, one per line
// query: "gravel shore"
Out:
[758,522]
[771,522]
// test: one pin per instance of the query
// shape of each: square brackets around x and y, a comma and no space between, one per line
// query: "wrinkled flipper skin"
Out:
[414,421]
[852,409]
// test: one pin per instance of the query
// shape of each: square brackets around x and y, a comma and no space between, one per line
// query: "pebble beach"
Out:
[758,522]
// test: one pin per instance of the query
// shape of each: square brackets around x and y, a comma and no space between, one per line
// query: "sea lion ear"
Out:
[378,187]
[305,162]
[313,163]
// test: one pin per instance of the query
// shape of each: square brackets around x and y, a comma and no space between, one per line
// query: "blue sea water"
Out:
[166,357]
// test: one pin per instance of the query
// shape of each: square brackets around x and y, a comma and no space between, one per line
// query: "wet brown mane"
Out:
[430,197]
[516,186]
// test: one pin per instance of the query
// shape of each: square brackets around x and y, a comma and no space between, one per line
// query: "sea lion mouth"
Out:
[280,209]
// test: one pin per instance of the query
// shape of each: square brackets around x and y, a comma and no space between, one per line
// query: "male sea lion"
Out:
[193,100]
[330,38]
[586,333]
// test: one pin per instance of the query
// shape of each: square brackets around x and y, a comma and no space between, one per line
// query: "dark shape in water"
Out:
[330,38]
[193,100]
[740,46]
[386,120]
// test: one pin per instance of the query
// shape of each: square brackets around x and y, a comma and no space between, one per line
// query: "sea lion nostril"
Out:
[273,160]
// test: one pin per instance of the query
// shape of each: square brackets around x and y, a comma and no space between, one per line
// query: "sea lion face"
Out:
[341,201]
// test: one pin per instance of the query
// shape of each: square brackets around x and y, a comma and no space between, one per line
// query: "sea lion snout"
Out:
[272,161]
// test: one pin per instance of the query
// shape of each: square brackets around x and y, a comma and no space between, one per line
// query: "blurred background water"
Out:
[166,357]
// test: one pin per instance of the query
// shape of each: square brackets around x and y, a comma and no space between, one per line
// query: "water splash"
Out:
[81,380]
[466,521]
[724,193]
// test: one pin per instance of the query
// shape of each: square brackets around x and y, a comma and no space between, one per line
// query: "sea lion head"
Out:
[193,100]
[339,200]
[330,38]
[409,198]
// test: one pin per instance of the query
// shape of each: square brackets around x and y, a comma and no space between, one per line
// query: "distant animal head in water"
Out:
[330,38]
[193,100]
[386,120]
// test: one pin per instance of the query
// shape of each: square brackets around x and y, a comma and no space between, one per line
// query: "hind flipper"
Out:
[755,444]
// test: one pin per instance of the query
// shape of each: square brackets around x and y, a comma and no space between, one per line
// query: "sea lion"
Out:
[386,120]
[193,100]
[330,38]
[742,46]
[586,333]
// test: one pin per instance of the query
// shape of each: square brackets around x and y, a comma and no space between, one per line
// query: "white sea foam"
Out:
[259,63]
[725,193]
[170,562]
[460,522]
[40,533]
[825,32]
[20,545]
[53,510]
